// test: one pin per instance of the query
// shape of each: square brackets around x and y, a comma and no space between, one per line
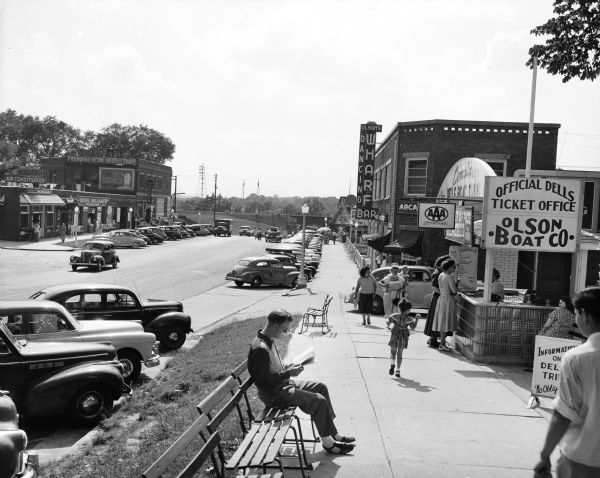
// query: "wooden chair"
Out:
[317,313]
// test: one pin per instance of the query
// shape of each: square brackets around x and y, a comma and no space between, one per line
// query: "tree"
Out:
[8,159]
[573,47]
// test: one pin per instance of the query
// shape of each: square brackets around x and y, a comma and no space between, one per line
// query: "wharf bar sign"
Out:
[366,166]
[532,214]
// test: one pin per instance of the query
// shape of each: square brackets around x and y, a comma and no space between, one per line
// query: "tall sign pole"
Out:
[366,167]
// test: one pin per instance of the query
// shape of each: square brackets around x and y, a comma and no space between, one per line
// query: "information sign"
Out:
[546,364]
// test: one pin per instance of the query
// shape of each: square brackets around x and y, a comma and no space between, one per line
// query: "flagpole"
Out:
[531,115]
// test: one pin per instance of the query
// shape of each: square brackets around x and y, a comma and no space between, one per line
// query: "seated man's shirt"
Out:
[266,368]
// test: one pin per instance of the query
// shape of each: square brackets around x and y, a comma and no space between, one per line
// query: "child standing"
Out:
[399,339]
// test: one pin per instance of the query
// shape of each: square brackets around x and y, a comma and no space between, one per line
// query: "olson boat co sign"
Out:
[535,213]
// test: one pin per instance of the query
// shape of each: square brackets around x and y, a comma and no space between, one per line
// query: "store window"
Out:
[415,182]
[499,166]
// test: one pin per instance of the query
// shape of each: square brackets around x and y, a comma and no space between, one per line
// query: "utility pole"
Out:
[175,194]
[201,172]
[243,187]
[215,202]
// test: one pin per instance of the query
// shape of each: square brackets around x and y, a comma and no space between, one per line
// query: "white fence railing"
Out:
[355,255]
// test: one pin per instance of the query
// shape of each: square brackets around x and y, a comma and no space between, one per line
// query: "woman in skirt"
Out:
[365,291]
[444,319]
[433,336]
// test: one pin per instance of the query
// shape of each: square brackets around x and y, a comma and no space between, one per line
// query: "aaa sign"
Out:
[535,214]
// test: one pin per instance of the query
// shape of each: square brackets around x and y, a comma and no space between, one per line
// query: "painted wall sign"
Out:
[366,166]
[463,226]
[534,214]
[466,179]
[547,355]
[101,160]
[436,215]
[407,207]
[116,179]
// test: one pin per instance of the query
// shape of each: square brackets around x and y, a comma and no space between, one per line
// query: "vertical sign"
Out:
[366,166]
[466,266]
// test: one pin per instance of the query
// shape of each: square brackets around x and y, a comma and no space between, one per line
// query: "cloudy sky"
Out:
[275,91]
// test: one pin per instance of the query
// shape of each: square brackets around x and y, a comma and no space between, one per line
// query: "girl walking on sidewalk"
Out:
[399,339]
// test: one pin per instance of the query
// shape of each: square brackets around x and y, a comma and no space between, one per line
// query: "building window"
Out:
[388,182]
[415,182]
[499,166]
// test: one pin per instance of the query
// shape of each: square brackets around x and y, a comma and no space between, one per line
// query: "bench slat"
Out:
[239,453]
[159,466]
[217,395]
[278,441]
[264,447]
[240,369]
[193,466]
[229,406]
[252,447]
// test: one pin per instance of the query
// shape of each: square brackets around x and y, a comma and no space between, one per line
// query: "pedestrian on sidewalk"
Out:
[275,387]
[365,292]
[36,231]
[433,335]
[400,321]
[444,319]
[577,404]
[393,285]
[333,236]
[63,232]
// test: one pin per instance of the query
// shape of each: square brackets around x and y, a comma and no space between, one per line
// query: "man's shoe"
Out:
[391,370]
[339,448]
[346,439]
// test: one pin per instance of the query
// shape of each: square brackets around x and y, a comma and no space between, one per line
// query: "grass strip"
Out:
[160,410]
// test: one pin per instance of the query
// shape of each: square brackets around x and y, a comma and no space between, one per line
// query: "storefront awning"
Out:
[378,241]
[41,199]
[409,242]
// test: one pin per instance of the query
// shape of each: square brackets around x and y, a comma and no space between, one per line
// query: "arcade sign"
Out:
[532,214]
[404,206]
[437,215]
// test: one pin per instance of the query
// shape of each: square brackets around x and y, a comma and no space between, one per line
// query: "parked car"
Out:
[290,260]
[172,233]
[81,380]
[15,459]
[122,238]
[273,234]
[199,230]
[137,233]
[246,231]
[158,231]
[210,227]
[48,321]
[186,228]
[182,231]
[154,237]
[223,227]
[164,318]
[418,289]
[262,270]
[97,254]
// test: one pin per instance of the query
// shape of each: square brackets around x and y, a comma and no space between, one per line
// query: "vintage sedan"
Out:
[122,238]
[80,380]
[418,289]
[246,231]
[171,232]
[290,260]
[147,232]
[97,254]
[199,230]
[47,321]
[164,318]
[257,271]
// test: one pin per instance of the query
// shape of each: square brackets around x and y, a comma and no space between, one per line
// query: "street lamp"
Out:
[302,278]
[76,221]
[130,218]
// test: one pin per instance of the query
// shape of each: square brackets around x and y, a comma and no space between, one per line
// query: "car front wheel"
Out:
[174,337]
[99,266]
[132,365]
[114,263]
[136,245]
[256,282]
[239,283]
[74,267]
[91,404]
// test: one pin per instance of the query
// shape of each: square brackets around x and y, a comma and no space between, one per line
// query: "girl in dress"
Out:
[399,338]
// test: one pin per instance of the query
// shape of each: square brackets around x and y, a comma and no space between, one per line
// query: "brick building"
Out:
[414,158]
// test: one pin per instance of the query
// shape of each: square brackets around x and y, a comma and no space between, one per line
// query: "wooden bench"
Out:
[317,313]
[262,440]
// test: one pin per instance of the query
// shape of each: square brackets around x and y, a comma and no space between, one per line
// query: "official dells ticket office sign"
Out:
[533,214]
[366,167]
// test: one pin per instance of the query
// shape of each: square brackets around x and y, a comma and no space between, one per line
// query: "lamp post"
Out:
[301,284]
[76,221]
[356,232]
[130,218]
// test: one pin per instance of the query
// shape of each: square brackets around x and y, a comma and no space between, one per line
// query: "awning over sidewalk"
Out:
[41,199]
[409,242]
[379,241]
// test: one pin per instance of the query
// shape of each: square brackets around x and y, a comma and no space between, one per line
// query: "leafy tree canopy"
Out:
[572,48]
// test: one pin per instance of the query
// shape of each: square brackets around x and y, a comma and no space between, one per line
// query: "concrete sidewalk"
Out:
[47,244]
[446,416]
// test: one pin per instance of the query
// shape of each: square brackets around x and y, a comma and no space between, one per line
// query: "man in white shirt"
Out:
[576,419]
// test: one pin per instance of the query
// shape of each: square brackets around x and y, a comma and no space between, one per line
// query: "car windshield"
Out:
[243,262]
[38,295]
[92,245]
